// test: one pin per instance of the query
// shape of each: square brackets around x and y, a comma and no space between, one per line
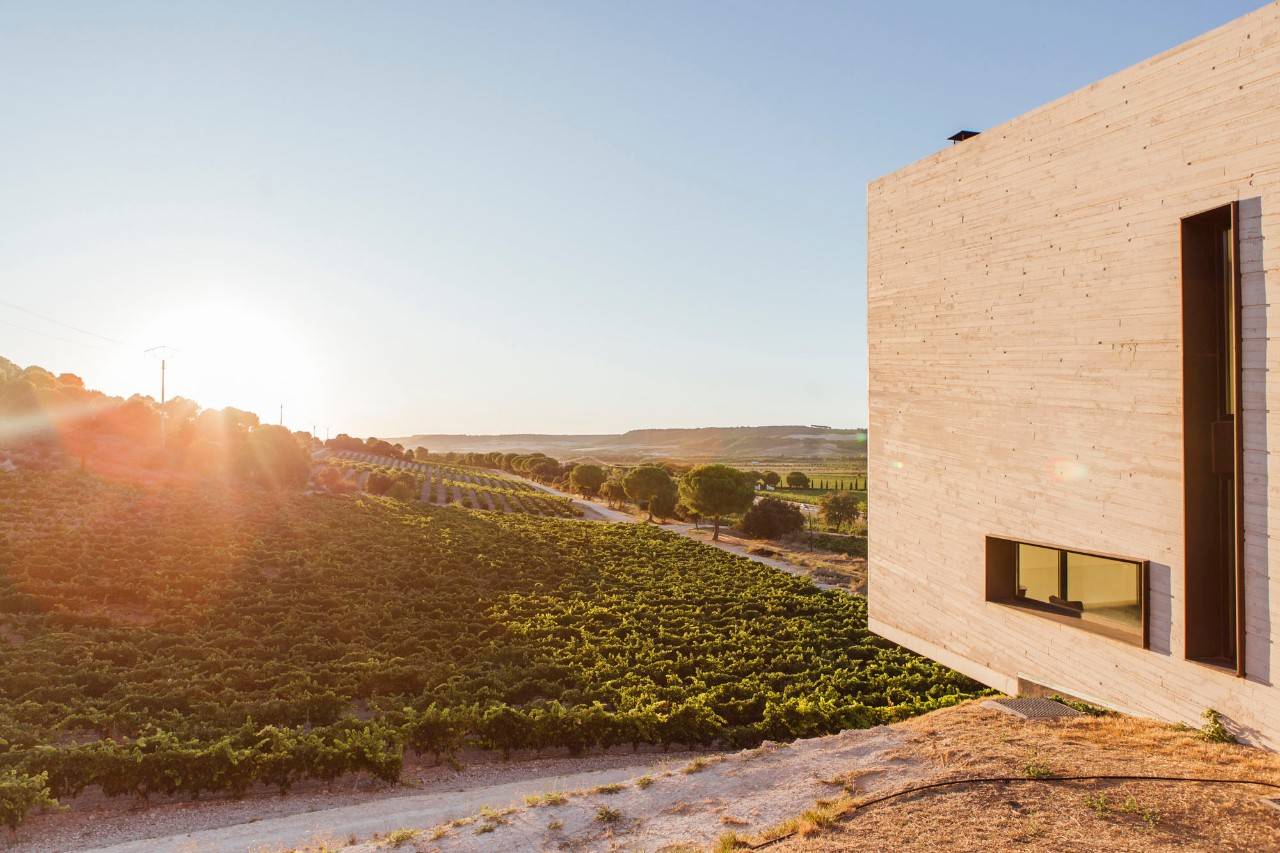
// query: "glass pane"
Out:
[1037,572]
[1105,590]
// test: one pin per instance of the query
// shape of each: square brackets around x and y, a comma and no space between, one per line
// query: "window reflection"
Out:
[1091,588]
[1037,572]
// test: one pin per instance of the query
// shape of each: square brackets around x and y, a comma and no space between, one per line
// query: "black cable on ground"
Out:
[1003,779]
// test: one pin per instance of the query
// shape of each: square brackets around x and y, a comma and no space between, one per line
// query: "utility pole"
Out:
[282,414]
[163,354]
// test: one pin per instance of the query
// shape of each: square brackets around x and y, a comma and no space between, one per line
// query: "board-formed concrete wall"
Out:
[1024,325]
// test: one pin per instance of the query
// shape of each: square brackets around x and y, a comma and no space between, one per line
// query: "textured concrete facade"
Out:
[1025,335]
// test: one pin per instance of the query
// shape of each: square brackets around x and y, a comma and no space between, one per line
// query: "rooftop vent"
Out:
[963,135]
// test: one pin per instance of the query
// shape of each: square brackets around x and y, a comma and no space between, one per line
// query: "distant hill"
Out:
[730,444]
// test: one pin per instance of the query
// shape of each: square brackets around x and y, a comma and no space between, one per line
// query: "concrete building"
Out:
[1070,327]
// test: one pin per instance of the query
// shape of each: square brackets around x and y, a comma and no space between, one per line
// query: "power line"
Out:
[52,337]
[48,319]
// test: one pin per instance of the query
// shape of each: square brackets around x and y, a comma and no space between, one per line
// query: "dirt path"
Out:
[747,792]
[362,805]
[678,801]
[356,823]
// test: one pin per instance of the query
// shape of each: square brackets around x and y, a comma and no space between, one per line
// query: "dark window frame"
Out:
[1002,588]
[1212,327]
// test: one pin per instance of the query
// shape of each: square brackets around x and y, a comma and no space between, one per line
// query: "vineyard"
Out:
[806,496]
[178,639]
[452,484]
[826,481]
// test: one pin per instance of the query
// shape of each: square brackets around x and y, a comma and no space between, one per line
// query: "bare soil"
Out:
[973,740]
[683,807]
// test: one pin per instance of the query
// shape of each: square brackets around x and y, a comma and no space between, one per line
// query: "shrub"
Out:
[1213,730]
[378,483]
[771,518]
[1036,768]
[402,491]
[797,480]
[401,837]
[841,508]
[20,793]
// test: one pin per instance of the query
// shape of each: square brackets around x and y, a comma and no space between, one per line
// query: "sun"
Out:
[232,352]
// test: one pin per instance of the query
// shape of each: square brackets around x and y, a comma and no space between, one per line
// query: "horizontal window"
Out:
[1098,593]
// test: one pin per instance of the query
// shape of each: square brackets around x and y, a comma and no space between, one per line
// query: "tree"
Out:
[771,518]
[797,480]
[586,479]
[840,508]
[716,491]
[330,479]
[403,490]
[378,483]
[687,513]
[273,457]
[663,504]
[614,492]
[772,479]
[646,482]
[753,477]
[544,469]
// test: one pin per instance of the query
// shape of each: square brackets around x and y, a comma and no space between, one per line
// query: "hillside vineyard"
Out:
[188,639]
[445,484]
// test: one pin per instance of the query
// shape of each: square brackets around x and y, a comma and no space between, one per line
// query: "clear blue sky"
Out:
[489,216]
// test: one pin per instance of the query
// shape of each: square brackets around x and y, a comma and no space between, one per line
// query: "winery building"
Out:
[1070,324]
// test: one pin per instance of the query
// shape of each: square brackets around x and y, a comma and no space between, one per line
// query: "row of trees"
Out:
[48,414]
[535,466]
[712,491]
[663,491]
[704,491]
[800,480]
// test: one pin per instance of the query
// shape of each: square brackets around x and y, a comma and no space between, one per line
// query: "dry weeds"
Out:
[971,740]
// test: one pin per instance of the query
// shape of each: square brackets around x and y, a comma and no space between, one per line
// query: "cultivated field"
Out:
[832,480]
[189,638]
[805,496]
[453,484]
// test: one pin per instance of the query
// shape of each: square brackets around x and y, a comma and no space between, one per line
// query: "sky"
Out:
[486,217]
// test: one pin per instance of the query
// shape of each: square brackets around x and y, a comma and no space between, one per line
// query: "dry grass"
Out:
[551,798]
[825,566]
[1076,816]
[400,837]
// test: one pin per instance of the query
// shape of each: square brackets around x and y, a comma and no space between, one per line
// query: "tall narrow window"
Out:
[1212,437]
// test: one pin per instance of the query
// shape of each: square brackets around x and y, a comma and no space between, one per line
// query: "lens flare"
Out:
[1068,471]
